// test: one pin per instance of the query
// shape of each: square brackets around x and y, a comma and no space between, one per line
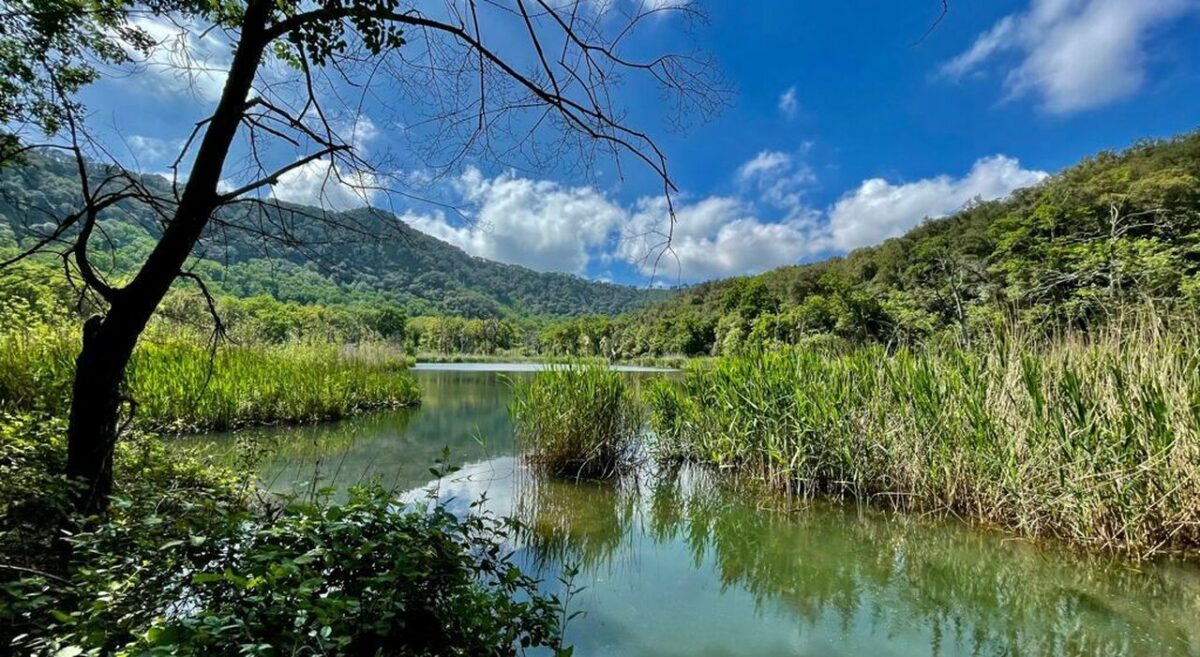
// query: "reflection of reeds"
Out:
[577,419]
[580,523]
[971,592]
[1094,440]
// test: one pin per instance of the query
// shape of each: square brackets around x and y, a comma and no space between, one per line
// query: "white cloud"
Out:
[1075,54]
[185,60]
[788,104]
[552,227]
[152,150]
[714,237]
[322,184]
[879,209]
[765,162]
[651,5]
[536,223]
[721,236]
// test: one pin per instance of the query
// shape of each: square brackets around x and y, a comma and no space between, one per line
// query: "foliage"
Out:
[185,564]
[578,419]
[287,363]
[1092,439]
[1118,229]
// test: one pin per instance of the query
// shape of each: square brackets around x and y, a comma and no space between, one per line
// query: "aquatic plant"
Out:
[577,419]
[1091,438]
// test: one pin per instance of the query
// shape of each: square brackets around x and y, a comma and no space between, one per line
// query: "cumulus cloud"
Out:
[1074,54]
[721,236]
[714,237]
[324,184]
[878,209]
[767,223]
[788,104]
[536,223]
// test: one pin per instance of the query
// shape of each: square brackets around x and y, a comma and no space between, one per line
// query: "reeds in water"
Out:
[1092,439]
[578,419]
[182,386]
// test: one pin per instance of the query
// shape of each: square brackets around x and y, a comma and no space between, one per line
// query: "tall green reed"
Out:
[576,419]
[1094,439]
[180,385]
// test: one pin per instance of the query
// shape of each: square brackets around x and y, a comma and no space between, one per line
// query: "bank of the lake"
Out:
[181,384]
[677,561]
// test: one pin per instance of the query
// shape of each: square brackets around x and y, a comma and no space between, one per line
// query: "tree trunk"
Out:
[95,406]
[108,341]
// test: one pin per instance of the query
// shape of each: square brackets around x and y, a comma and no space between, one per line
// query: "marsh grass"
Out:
[1094,439]
[180,385]
[577,419]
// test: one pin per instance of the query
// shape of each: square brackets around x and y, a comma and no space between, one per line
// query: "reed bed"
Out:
[182,386]
[1092,439]
[577,419]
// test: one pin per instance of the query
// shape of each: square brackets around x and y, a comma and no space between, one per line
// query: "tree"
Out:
[554,73]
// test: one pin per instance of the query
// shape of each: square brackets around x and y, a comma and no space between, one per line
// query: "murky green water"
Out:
[675,564]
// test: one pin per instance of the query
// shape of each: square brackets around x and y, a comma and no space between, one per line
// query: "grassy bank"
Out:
[576,419]
[1094,440]
[180,385]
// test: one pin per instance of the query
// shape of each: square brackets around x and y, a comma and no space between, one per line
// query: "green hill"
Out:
[1116,229]
[292,256]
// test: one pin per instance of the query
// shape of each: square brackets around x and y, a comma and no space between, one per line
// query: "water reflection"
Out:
[833,580]
[675,563]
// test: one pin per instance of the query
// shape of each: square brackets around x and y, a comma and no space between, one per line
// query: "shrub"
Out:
[576,419]
[185,564]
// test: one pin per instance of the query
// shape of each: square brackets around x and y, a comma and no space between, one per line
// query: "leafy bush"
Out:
[185,564]
[577,419]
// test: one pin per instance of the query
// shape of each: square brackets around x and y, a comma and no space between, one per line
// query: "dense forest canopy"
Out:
[1115,229]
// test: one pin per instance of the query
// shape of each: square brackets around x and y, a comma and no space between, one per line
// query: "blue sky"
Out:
[842,131]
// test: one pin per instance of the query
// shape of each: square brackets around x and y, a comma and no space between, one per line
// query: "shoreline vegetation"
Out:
[1092,439]
[185,386]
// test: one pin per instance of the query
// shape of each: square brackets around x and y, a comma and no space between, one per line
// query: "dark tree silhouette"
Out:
[527,80]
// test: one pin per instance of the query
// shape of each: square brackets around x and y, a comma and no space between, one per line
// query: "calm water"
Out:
[675,564]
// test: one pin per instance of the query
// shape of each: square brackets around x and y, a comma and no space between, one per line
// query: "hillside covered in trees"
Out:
[1116,229]
[395,264]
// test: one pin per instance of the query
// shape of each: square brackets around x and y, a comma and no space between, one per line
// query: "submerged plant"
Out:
[577,419]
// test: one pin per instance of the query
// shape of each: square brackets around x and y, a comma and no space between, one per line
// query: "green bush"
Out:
[577,419]
[186,564]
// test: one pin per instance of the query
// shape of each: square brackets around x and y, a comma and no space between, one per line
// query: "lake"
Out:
[678,563]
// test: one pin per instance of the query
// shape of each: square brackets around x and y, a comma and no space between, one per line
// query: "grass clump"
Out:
[577,419]
[1092,439]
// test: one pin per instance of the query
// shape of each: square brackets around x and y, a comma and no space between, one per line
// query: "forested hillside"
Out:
[396,264]
[1116,229]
